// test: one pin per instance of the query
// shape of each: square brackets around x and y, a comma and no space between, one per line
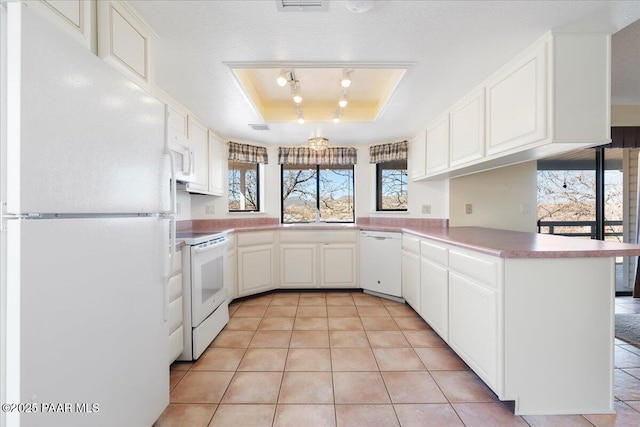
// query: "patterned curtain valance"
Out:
[306,156]
[245,153]
[388,152]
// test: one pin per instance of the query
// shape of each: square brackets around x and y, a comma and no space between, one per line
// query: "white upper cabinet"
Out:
[76,17]
[217,164]
[552,98]
[417,156]
[125,41]
[178,119]
[438,145]
[516,102]
[199,140]
[467,128]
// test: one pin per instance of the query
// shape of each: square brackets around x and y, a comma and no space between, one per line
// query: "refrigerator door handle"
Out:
[172,220]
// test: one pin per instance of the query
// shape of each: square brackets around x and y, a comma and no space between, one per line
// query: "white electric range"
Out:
[205,307]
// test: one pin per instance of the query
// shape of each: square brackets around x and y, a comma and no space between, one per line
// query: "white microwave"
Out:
[182,158]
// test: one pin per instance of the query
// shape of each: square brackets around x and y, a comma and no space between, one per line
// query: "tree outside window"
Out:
[243,187]
[317,192]
[391,186]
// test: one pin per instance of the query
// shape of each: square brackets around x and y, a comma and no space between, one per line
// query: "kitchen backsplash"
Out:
[201,225]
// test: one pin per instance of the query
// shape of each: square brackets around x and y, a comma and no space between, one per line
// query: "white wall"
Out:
[497,198]
[434,193]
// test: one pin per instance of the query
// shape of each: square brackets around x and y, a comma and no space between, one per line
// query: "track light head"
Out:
[345,81]
[343,101]
[282,78]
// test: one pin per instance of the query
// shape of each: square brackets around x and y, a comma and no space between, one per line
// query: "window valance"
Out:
[245,153]
[307,156]
[388,152]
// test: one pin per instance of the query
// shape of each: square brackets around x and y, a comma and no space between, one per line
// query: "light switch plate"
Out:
[210,209]
[426,209]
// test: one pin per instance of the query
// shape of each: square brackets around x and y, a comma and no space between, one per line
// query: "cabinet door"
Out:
[417,155]
[411,279]
[517,104]
[125,42]
[75,17]
[338,263]
[198,138]
[178,122]
[438,145]
[216,165]
[473,326]
[255,269]
[230,274]
[434,296]
[467,129]
[298,265]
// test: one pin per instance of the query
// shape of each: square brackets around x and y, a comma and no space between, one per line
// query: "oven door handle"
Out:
[199,249]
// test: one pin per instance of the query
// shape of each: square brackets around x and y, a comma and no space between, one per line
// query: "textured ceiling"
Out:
[454,45]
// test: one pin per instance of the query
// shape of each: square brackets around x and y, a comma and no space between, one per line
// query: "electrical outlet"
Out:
[210,209]
[178,208]
[426,209]
[468,209]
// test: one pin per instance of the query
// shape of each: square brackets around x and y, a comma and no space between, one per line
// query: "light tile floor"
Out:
[350,359]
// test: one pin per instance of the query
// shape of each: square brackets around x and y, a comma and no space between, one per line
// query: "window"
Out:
[314,192]
[244,184]
[391,186]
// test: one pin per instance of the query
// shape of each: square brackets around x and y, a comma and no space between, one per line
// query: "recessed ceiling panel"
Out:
[320,88]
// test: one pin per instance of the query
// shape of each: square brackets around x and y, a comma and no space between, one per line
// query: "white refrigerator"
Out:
[85,235]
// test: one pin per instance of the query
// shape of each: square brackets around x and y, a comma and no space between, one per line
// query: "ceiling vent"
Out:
[302,5]
[259,127]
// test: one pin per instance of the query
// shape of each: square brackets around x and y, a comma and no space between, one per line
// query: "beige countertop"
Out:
[500,243]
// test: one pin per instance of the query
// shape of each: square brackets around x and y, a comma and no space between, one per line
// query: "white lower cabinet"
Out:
[230,278]
[473,326]
[255,269]
[509,320]
[434,296]
[410,268]
[411,278]
[298,264]
[314,259]
[257,262]
[338,265]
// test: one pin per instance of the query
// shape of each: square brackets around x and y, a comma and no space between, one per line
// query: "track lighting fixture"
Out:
[346,78]
[282,78]
[295,91]
[336,117]
[300,117]
[343,100]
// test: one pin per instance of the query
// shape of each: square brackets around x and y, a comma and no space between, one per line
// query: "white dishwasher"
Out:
[381,263]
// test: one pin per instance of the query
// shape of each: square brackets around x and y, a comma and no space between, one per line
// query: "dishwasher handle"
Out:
[380,235]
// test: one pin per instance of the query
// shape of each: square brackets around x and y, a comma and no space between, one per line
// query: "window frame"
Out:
[317,186]
[378,184]
[258,188]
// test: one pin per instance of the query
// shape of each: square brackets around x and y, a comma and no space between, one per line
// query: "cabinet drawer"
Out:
[435,253]
[476,266]
[176,262]
[175,314]
[410,243]
[176,344]
[261,238]
[175,287]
